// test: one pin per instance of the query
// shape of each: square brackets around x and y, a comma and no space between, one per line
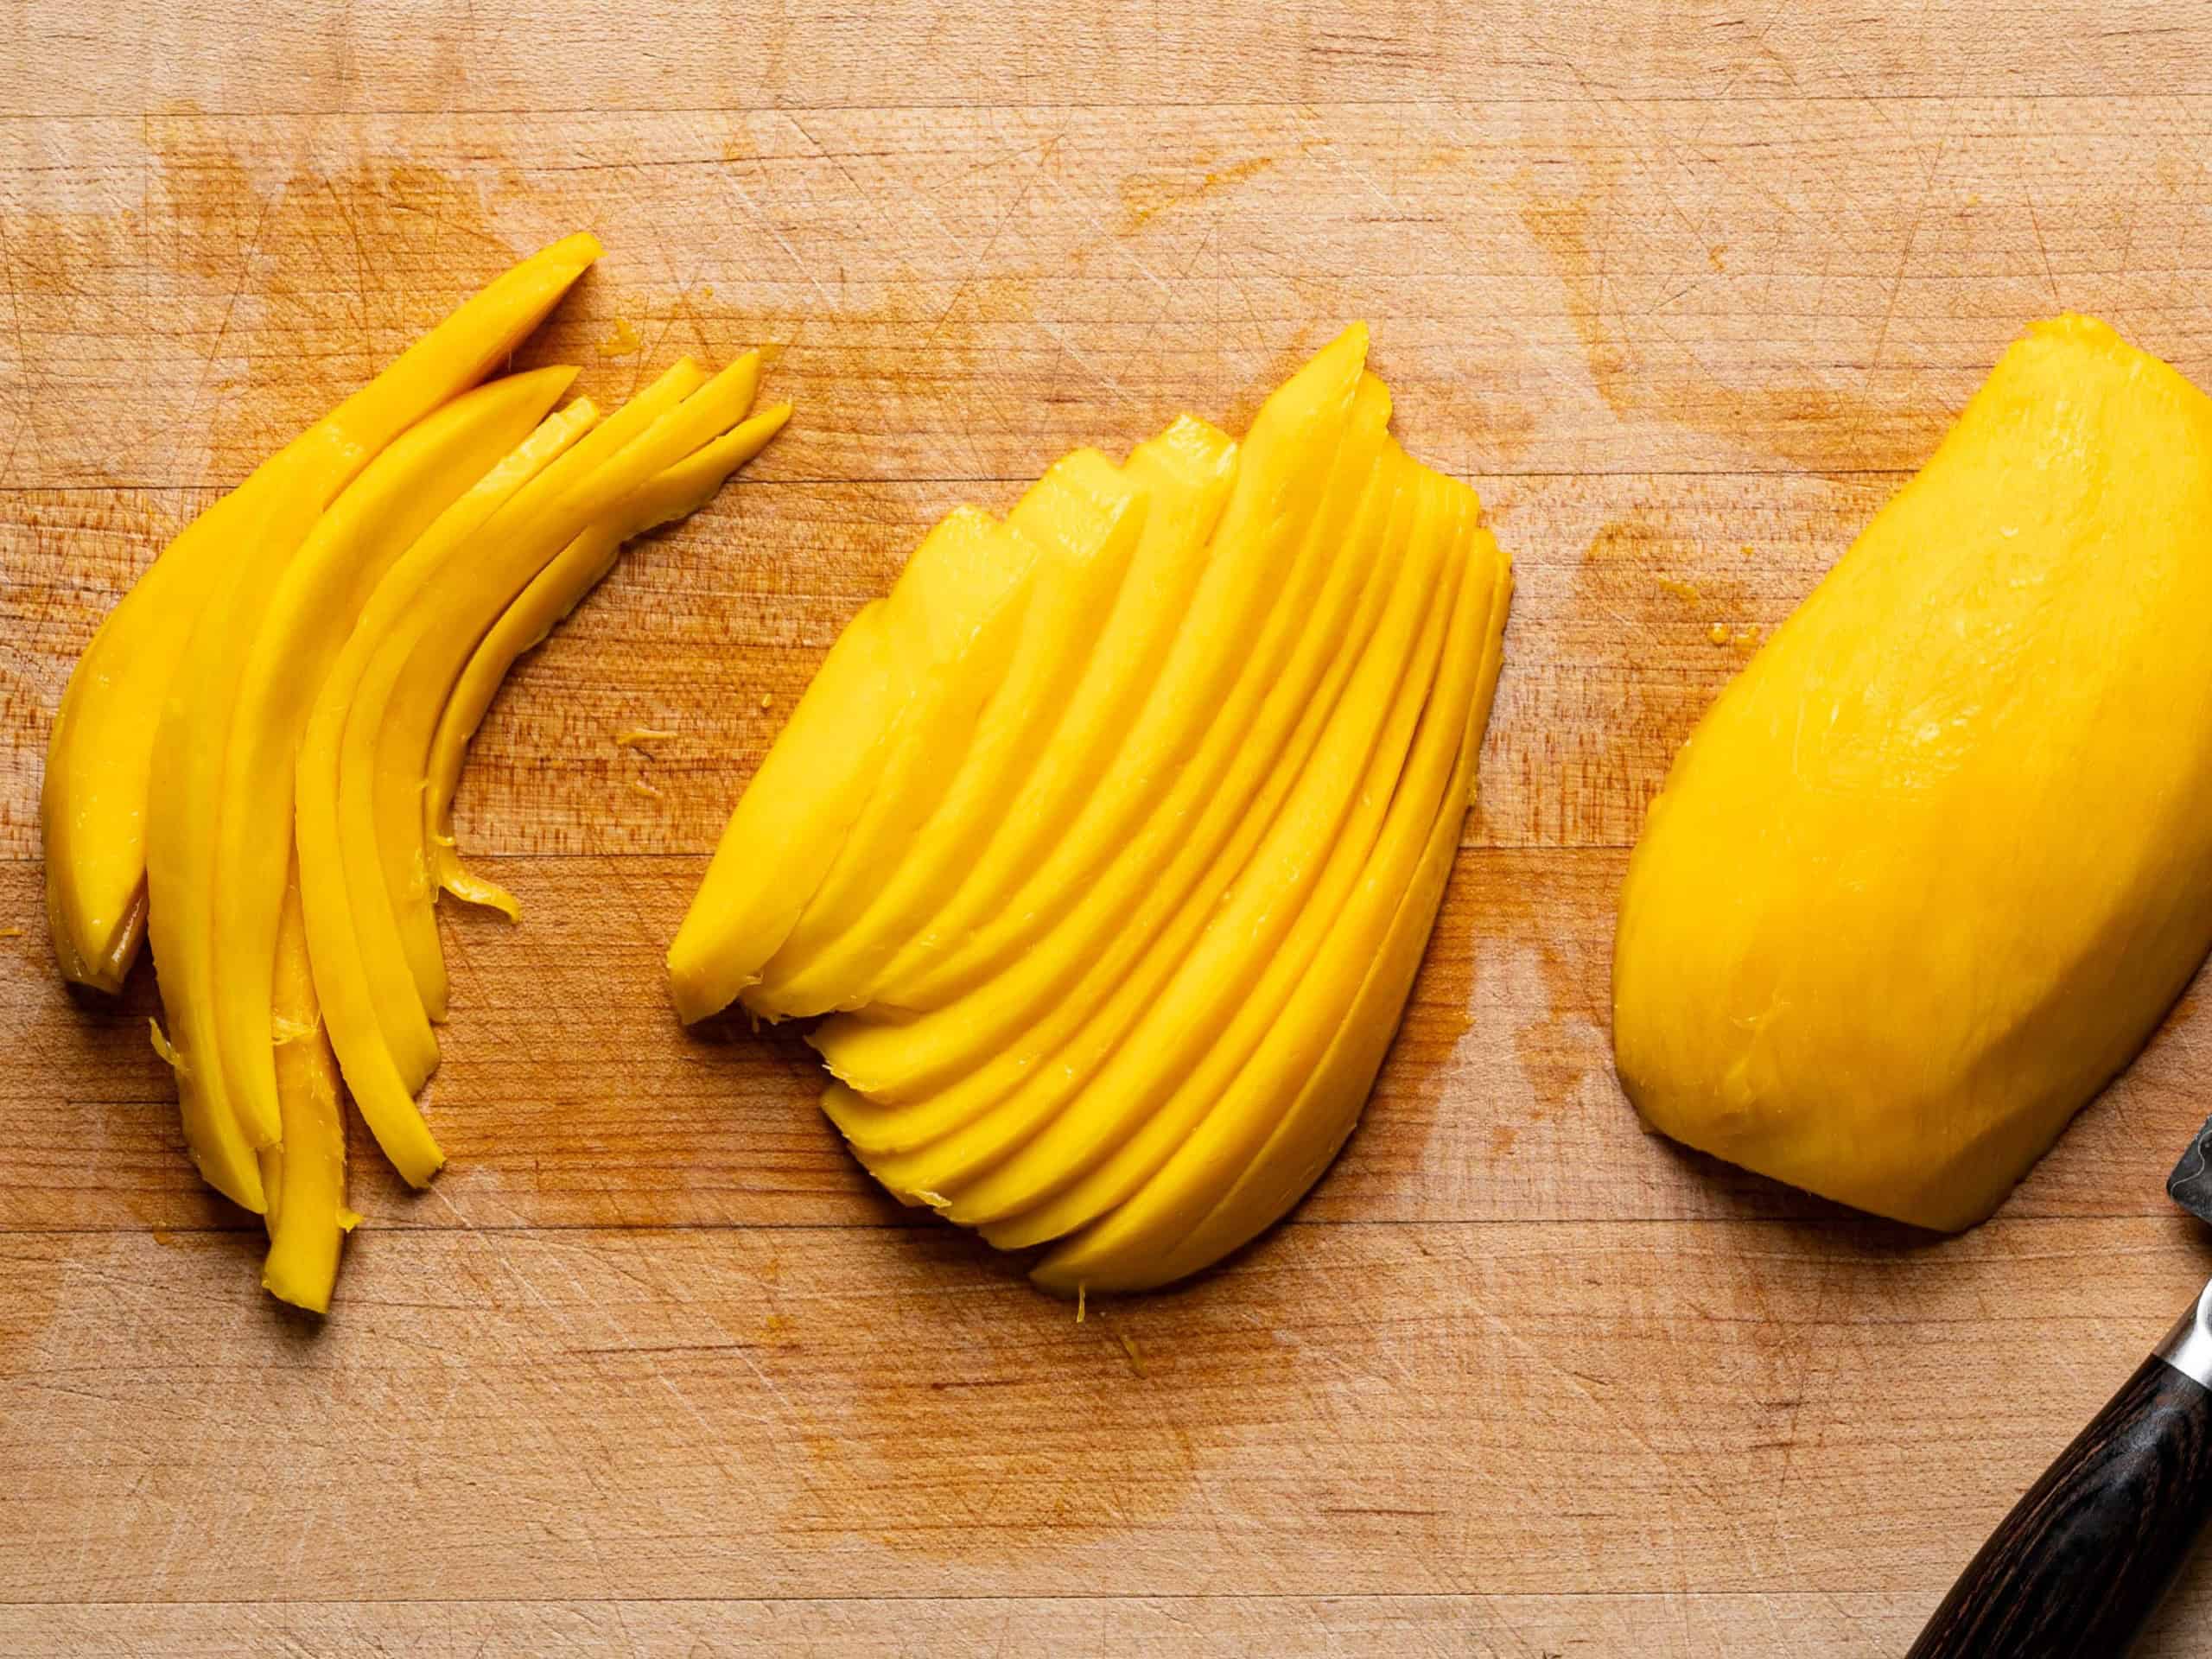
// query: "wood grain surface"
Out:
[1684,289]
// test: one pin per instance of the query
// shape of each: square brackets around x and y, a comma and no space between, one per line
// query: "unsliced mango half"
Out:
[1116,897]
[1933,866]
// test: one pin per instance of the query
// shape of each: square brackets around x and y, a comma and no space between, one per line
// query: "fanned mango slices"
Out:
[1110,842]
[255,761]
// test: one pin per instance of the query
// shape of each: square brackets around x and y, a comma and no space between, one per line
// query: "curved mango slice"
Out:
[1025,769]
[1253,1159]
[1272,1132]
[403,689]
[1296,626]
[1084,521]
[1100,881]
[371,523]
[1000,910]
[355,1007]
[1262,941]
[673,493]
[184,784]
[1166,1016]
[821,773]
[1931,869]
[99,757]
[1025,1043]
[305,1172]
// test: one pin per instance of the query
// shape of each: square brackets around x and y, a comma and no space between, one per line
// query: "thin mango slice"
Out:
[1085,520]
[378,516]
[406,683]
[1002,910]
[184,784]
[1023,772]
[1931,867]
[674,493]
[1026,1042]
[384,736]
[1308,608]
[1262,941]
[1117,913]
[99,757]
[353,1003]
[1269,1135]
[1168,1014]
[304,1173]
[817,779]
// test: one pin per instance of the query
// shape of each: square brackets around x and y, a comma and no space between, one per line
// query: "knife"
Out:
[2081,1561]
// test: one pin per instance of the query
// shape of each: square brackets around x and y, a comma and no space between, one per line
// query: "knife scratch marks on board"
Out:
[1144,195]
[1660,376]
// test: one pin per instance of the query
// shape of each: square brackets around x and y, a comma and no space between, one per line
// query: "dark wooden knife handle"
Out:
[2083,1557]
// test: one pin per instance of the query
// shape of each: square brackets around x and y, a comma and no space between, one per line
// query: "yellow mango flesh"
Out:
[334,885]
[1261,939]
[1931,869]
[1051,724]
[405,691]
[1286,467]
[305,1172]
[1009,1055]
[1271,1135]
[818,779]
[100,756]
[1127,878]
[378,516]
[1179,787]
[808,974]
[1036,1036]
[675,492]
[1082,522]
[184,786]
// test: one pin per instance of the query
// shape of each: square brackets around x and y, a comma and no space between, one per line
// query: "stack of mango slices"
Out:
[1109,841]
[254,764]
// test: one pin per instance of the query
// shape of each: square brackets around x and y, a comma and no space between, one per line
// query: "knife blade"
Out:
[2190,1184]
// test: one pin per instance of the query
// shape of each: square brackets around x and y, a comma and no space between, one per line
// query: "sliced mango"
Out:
[405,683]
[1003,908]
[1118,887]
[333,886]
[1932,867]
[1311,604]
[1268,1136]
[819,776]
[304,1173]
[184,787]
[99,757]
[1083,521]
[1025,767]
[1264,936]
[322,588]
[673,493]
[1167,1013]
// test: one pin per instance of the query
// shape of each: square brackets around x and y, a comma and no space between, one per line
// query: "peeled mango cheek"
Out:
[1930,870]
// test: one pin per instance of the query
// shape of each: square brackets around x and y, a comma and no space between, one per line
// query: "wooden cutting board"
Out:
[1684,289]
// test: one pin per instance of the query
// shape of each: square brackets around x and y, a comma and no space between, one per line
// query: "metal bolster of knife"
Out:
[2187,1346]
